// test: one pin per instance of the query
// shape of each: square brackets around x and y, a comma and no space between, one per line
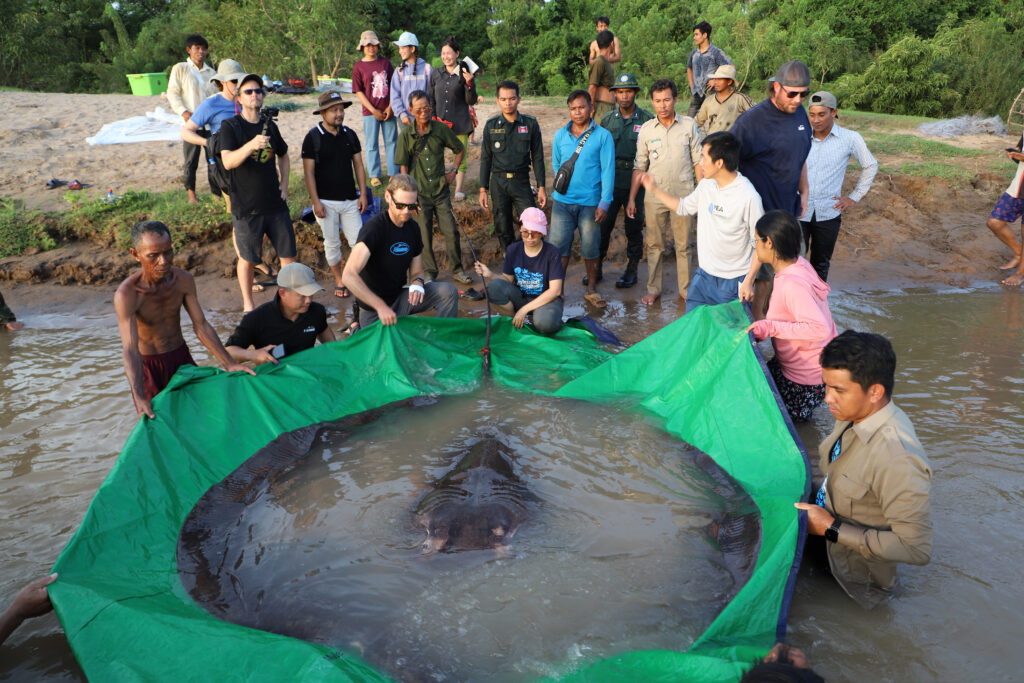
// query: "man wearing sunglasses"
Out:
[775,139]
[385,269]
[259,190]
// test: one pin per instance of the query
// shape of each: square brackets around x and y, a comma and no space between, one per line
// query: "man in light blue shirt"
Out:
[585,203]
[831,149]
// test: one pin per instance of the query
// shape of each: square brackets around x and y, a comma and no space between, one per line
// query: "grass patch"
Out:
[93,220]
[21,230]
[952,174]
[910,145]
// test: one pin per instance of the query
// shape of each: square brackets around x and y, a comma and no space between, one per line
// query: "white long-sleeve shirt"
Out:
[826,169]
[188,86]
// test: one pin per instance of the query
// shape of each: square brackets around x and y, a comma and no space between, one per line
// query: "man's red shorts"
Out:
[158,369]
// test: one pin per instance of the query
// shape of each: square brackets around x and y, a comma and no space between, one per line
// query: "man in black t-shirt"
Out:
[249,146]
[292,322]
[388,251]
[330,155]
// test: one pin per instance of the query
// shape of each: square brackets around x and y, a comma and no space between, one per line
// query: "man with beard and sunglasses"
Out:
[385,269]
[775,139]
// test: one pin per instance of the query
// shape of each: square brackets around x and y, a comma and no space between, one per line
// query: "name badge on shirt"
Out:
[524,129]
[716,209]
[309,329]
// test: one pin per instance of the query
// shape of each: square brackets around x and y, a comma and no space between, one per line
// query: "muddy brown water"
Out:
[65,414]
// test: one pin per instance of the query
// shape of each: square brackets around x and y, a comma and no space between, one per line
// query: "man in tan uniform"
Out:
[720,111]
[668,148]
[872,507]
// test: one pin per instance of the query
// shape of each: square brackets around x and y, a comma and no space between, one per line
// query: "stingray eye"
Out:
[498,531]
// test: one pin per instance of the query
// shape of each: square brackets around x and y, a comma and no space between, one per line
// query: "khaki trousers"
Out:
[661,219]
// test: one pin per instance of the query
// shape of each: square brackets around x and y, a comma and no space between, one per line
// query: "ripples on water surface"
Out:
[616,555]
[960,377]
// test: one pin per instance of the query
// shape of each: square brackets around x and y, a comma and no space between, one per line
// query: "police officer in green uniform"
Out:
[624,124]
[511,144]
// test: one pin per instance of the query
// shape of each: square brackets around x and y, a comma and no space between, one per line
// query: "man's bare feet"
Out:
[649,299]
[192,199]
[13,326]
[1015,280]
[1011,264]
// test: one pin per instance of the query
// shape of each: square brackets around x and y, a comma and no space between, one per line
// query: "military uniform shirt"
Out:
[427,167]
[624,133]
[510,147]
[669,154]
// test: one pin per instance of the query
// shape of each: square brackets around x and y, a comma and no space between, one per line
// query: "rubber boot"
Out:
[628,278]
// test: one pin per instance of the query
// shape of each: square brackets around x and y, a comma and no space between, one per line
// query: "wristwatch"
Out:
[832,533]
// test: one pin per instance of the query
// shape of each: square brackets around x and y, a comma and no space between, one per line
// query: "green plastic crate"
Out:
[148,84]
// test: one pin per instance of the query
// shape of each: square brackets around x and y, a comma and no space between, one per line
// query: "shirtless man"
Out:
[616,52]
[148,305]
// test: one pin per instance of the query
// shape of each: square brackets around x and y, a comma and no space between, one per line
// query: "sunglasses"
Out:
[253,91]
[793,94]
[412,207]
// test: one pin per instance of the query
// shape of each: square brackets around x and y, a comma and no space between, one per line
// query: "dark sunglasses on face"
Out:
[253,91]
[792,94]
[411,207]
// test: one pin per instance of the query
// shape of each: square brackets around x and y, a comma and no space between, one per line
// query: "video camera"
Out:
[268,114]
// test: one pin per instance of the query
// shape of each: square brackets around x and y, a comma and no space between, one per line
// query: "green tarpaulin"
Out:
[128,617]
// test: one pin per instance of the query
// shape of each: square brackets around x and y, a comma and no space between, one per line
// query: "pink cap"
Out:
[534,219]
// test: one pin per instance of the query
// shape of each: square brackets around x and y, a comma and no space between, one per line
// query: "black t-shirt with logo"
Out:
[255,188]
[333,164]
[266,326]
[392,249]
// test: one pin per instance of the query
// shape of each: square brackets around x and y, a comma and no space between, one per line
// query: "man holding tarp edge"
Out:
[873,507]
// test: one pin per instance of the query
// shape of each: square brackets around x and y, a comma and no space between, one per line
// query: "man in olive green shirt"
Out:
[511,144]
[873,507]
[602,75]
[668,148]
[420,153]
[624,124]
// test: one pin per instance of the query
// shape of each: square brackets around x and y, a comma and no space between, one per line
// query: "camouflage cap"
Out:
[625,80]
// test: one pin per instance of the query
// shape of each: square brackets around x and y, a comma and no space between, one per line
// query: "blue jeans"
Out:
[371,128]
[708,290]
[565,218]
[547,319]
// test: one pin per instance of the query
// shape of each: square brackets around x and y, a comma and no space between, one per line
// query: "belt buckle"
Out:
[510,175]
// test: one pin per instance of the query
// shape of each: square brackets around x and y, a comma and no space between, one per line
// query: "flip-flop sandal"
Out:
[265,269]
[75,185]
[352,328]
[55,182]
[595,299]
[472,294]
[342,292]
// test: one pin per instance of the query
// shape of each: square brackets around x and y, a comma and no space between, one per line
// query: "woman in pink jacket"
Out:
[798,319]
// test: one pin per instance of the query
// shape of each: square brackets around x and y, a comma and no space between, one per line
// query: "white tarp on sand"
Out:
[155,126]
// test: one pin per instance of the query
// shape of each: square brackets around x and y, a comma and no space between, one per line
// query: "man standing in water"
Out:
[872,507]
[148,305]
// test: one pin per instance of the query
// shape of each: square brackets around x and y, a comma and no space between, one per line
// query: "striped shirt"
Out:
[826,169]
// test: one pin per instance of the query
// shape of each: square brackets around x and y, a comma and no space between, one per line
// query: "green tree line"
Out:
[926,57]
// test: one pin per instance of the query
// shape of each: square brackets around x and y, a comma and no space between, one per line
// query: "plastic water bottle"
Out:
[110,197]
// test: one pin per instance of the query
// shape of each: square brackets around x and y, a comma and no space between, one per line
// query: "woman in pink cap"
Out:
[531,279]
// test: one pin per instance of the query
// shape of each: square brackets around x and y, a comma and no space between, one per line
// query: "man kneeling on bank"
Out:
[292,322]
[872,507]
[389,250]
